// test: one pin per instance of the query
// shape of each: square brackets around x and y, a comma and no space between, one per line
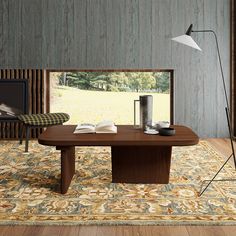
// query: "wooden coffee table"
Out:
[136,157]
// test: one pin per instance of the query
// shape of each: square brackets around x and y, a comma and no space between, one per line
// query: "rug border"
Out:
[119,223]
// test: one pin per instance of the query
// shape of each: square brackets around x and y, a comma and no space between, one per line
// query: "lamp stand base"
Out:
[202,190]
[232,155]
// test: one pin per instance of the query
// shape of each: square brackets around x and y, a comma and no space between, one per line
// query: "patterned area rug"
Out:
[28,185]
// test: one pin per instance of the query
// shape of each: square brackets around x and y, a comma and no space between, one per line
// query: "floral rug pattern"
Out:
[29,189]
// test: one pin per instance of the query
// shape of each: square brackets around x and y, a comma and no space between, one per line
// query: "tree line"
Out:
[117,81]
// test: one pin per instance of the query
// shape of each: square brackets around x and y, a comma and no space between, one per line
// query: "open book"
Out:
[105,126]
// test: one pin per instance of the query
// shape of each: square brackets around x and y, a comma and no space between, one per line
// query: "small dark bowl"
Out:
[167,131]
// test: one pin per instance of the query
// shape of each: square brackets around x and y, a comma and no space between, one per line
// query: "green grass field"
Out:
[94,106]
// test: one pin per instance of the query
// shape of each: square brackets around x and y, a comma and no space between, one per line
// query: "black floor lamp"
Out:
[188,40]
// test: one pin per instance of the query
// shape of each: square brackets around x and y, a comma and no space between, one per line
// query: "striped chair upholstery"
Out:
[40,120]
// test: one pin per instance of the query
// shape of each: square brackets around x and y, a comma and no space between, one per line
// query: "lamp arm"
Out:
[221,67]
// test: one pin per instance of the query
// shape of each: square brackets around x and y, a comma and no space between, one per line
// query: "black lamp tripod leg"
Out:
[233,154]
[202,191]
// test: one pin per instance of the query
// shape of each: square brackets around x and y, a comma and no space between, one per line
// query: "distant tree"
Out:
[100,82]
[108,81]
[141,81]
[162,81]
[116,81]
[85,80]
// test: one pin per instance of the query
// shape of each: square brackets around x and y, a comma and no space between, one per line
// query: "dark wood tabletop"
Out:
[127,135]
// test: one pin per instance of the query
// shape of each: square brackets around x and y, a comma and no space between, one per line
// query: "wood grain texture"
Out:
[233,65]
[130,162]
[136,34]
[67,166]
[36,99]
[127,135]
[31,33]
[118,230]
[4,6]
[140,164]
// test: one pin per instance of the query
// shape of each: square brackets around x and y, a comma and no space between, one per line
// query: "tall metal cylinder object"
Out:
[145,111]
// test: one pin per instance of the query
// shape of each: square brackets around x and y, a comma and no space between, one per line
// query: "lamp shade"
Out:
[187,40]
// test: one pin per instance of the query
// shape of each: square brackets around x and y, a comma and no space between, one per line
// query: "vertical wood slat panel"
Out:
[34,97]
[12,124]
[16,124]
[36,103]
[30,91]
[39,95]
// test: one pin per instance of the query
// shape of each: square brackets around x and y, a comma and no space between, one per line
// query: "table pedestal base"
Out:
[67,167]
[141,164]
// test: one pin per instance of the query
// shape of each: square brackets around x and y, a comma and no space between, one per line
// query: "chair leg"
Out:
[27,138]
[21,133]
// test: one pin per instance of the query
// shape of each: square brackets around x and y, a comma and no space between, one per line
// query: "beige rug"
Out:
[28,184]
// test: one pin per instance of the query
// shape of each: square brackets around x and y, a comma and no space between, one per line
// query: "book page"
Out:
[104,123]
[112,129]
[85,128]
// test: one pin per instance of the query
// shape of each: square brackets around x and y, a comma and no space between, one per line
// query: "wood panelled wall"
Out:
[36,96]
[127,34]
[233,65]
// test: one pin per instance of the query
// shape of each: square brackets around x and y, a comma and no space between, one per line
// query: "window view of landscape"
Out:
[96,96]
